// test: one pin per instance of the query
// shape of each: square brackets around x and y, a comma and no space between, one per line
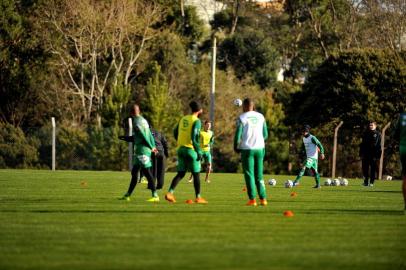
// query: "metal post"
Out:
[130,145]
[213,81]
[333,173]
[53,143]
[383,149]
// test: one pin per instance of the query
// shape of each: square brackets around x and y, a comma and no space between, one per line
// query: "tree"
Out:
[94,43]
[352,86]
[22,67]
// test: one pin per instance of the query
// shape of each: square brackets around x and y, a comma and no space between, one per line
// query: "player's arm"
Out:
[378,147]
[164,145]
[265,131]
[176,132]
[197,125]
[237,136]
[211,140]
[319,145]
[146,134]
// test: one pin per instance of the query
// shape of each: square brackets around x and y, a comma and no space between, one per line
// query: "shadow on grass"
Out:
[259,210]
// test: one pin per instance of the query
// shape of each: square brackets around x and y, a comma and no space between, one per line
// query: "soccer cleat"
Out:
[317,186]
[295,184]
[371,185]
[201,200]
[125,198]
[252,203]
[263,202]
[144,181]
[153,199]
[190,180]
[170,198]
[207,181]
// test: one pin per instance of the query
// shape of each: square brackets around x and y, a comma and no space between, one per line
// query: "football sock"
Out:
[196,183]
[301,173]
[176,181]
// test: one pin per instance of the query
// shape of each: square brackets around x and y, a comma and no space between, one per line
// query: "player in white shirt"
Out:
[249,140]
[311,147]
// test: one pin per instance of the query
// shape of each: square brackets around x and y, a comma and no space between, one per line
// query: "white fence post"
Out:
[53,143]
[383,150]
[333,173]
[130,145]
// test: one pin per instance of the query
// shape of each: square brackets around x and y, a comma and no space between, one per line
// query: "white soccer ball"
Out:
[327,182]
[335,182]
[237,102]
[272,182]
[344,182]
[288,184]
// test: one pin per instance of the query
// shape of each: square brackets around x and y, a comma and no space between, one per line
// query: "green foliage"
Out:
[115,103]
[72,148]
[353,86]
[156,98]
[251,53]
[22,66]
[16,150]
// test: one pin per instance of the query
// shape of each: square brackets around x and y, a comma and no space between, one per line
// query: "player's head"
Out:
[135,111]
[248,105]
[207,125]
[195,107]
[372,125]
[305,130]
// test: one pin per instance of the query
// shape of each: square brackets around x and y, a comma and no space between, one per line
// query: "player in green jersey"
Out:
[249,140]
[206,142]
[310,148]
[144,145]
[401,135]
[187,134]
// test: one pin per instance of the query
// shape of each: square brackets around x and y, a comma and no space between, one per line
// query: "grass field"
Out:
[49,220]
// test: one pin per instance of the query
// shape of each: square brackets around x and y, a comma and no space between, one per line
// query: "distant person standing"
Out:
[206,142]
[144,146]
[310,149]
[249,140]
[370,151]
[401,135]
[159,158]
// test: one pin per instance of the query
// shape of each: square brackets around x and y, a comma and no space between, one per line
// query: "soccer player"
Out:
[189,153]
[370,151]
[206,142]
[144,145]
[249,140]
[310,147]
[401,135]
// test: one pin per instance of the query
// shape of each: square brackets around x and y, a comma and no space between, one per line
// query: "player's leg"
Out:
[160,171]
[208,162]
[248,167]
[134,180]
[302,171]
[194,166]
[365,170]
[373,166]
[314,168]
[403,162]
[259,175]
[181,168]
[151,183]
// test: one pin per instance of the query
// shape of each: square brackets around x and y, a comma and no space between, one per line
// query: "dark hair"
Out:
[207,122]
[306,128]
[195,106]
[247,102]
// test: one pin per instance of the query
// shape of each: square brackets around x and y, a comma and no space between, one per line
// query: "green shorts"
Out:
[403,159]
[206,157]
[187,160]
[311,163]
[142,157]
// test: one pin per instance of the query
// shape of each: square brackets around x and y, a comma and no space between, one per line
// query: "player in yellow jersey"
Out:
[187,134]
[206,141]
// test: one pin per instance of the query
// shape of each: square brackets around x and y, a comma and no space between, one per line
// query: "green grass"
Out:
[48,220]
